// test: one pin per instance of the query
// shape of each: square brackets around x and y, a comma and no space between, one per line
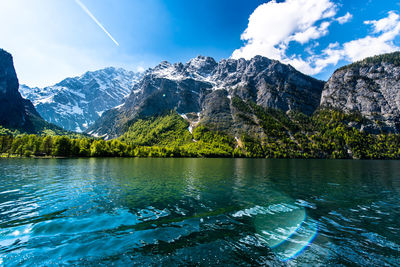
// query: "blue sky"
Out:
[51,40]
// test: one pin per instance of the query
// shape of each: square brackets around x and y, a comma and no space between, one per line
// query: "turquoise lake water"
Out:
[207,212]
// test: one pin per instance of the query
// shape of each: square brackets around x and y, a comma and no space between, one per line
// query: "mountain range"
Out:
[76,103]
[204,92]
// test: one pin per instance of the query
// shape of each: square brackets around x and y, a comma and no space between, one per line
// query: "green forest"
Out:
[325,134]
[393,58]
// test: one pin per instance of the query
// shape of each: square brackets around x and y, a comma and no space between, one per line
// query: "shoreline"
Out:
[155,157]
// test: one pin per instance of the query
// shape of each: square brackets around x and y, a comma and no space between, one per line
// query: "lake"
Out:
[214,212]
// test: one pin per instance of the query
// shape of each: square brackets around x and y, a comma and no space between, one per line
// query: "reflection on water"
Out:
[199,211]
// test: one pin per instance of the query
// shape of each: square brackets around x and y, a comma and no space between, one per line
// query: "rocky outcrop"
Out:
[206,88]
[370,87]
[15,112]
[76,103]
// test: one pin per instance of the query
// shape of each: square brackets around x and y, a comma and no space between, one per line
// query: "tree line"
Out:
[325,134]
[64,146]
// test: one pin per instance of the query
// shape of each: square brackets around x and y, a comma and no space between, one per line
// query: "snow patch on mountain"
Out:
[205,87]
[76,103]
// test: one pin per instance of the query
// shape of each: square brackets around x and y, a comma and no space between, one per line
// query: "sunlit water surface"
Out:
[199,212]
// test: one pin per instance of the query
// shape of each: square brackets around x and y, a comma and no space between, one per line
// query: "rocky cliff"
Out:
[15,112]
[203,91]
[370,87]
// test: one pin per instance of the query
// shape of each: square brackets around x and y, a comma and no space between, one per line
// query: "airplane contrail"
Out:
[95,20]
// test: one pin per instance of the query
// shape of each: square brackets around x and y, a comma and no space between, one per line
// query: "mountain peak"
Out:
[369,87]
[204,66]
[163,64]
[75,103]
[207,88]
[201,58]
[7,73]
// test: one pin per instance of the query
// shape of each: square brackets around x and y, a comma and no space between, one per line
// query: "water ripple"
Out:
[154,212]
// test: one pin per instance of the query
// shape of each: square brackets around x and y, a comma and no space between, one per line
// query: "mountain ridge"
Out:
[370,87]
[204,87]
[76,102]
[235,108]
[206,92]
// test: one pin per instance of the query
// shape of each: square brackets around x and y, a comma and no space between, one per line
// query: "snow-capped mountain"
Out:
[205,90]
[75,103]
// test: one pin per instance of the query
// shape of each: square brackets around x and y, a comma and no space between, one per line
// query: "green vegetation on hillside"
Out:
[326,134]
[5,131]
[169,136]
[168,130]
[38,126]
[393,58]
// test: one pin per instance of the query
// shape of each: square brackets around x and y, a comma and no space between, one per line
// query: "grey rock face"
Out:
[206,87]
[270,83]
[369,88]
[15,112]
[8,77]
[75,103]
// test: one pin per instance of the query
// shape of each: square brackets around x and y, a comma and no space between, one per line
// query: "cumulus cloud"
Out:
[384,32]
[385,24]
[311,33]
[273,26]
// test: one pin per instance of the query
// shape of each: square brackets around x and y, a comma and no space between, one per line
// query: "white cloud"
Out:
[384,33]
[311,33]
[346,18]
[385,24]
[273,26]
